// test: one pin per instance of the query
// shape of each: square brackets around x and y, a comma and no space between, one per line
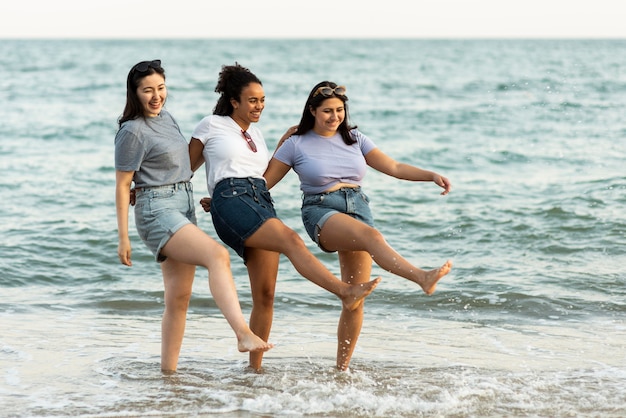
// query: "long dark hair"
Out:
[133,108]
[231,81]
[307,122]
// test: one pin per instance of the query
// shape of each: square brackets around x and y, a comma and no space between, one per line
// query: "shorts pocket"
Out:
[234,192]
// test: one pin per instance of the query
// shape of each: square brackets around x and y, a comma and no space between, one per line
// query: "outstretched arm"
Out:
[380,161]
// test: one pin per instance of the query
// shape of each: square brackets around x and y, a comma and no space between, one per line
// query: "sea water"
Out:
[531,322]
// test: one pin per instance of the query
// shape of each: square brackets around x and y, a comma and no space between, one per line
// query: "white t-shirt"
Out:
[226,151]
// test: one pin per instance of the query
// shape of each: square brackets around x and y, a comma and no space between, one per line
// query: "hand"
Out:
[287,134]
[133,196]
[124,251]
[205,202]
[442,182]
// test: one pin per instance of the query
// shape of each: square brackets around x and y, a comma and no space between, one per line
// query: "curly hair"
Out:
[231,81]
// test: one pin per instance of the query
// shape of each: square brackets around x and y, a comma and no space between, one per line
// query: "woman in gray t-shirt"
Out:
[151,151]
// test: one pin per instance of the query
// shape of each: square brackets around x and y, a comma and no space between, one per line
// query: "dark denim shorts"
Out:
[160,211]
[317,208]
[239,206]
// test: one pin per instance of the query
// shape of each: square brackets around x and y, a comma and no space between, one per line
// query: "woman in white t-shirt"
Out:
[331,157]
[236,156]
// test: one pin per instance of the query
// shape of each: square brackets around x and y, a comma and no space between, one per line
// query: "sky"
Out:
[283,19]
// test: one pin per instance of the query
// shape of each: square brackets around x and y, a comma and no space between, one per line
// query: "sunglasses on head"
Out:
[143,66]
[328,91]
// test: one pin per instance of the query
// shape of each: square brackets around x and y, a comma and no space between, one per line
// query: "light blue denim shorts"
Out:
[317,208]
[160,211]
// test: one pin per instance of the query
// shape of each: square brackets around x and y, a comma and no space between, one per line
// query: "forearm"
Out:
[122,202]
[412,173]
[123,181]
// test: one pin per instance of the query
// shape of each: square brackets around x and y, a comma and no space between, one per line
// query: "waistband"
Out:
[183,185]
[238,181]
[356,189]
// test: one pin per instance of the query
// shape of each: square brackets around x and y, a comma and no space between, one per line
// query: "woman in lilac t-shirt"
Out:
[331,158]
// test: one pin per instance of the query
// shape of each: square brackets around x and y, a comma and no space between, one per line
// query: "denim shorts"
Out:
[239,206]
[160,211]
[317,208]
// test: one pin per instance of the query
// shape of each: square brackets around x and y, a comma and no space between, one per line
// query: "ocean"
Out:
[531,322]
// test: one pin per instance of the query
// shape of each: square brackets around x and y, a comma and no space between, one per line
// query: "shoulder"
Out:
[205,120]
[129,134]
[360,137]
[295,142]
[133,124]
[131,127]
[295,138]
[357,135]
[203,127]
[286,150]
[213,121]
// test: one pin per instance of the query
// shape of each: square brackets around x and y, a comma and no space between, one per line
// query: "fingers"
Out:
[124,255]
[126,260]
[205,202]
[445,184]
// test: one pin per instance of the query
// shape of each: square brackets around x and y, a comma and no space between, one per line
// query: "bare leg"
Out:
[344,233]
[190,245]
[178,281]
[276,236]
[263,270]
[356,267]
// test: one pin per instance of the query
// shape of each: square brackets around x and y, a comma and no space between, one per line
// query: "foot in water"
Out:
[355,293]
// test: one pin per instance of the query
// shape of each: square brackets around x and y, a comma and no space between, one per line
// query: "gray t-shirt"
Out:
[155,149]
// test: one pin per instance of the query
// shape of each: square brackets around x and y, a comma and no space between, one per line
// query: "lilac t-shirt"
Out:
[321,162]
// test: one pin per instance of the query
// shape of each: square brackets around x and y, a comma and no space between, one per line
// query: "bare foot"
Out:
[429,283]
[251,342]
[355,293]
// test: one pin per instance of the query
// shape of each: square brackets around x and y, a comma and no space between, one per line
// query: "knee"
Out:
[222,254]
[373,235]
[264,297]
[291,239]
[219,256]
[178,302]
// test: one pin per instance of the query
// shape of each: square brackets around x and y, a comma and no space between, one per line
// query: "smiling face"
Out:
[152,93]
[328,116]
[252,102]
